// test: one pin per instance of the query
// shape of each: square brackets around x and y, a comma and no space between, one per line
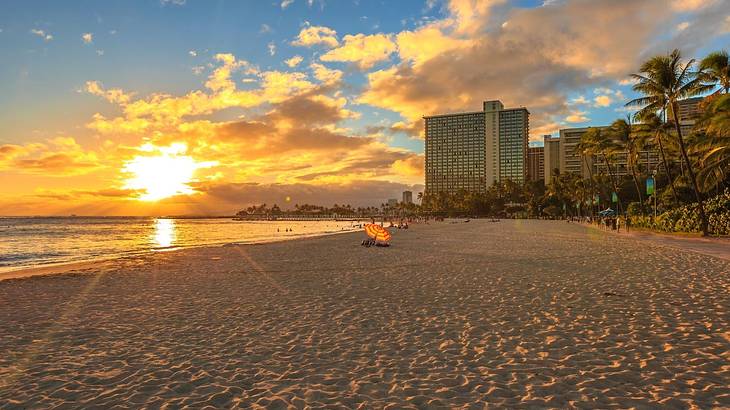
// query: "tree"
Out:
[623,132]
[654,128]
[715,69]
[600,143]
[714,145]
[584,148]
[664,80]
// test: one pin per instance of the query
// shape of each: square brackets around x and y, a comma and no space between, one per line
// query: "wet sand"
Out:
[528,314]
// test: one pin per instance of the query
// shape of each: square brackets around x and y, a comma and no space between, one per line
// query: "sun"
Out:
[164,172]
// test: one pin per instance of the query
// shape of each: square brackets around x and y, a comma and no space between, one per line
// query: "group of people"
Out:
[401,224]
[613,223]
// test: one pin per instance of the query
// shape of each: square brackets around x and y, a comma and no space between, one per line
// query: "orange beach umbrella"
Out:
[377,232]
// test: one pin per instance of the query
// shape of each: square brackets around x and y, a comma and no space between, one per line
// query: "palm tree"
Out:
[715,69]
[714,147]
[580,193]
[625,133]
[663,81]
[601,144]
[654,128]
[584,149]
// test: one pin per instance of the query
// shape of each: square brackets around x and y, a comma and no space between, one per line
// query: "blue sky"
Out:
[66,64]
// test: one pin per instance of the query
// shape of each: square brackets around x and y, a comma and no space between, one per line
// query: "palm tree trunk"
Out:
[593,191]
[613,182]
[666,168]
[631,165]
[690,171]
[638,189]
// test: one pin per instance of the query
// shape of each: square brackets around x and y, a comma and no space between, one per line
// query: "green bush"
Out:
[687,218]
[634,209]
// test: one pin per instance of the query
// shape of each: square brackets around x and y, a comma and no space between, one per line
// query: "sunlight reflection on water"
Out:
[164,234]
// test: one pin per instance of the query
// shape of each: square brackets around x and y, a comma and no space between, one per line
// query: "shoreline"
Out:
[703,246]
[50,269]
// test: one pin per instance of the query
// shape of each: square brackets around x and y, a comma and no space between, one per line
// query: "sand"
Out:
[518,314]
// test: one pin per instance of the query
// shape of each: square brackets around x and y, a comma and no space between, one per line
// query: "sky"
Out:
[171,107]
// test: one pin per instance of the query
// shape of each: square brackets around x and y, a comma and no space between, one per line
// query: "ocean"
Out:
[28,242]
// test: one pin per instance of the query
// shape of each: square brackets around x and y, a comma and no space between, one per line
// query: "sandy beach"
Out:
[517,314]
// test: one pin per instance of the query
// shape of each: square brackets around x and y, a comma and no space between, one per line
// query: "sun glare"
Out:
[167,173]
[164,234]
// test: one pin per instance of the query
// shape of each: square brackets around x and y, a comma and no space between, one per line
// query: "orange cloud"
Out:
[60,156]
[326,75]
[471,15]
[413,166]
[316,35]
[362,50]
[577,117]
[294,61]
[164,112]
[427,42]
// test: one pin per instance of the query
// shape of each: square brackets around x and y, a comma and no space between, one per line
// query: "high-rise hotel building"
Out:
[536,163]
[473,150]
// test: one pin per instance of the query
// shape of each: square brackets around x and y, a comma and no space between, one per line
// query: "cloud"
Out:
[326,75]
[362,50]
[413,165]
[294,61]
[60,156]
[114,95]
[602,101]
[42,34]
[580,100]
[265,28]
[606,96]
[272,48]
[173,2]
[87,38]
[471,15]
[316,35]
[286,3]
[163,111]
[577,117]
[427,42]
[193,53]
[692,5]
[708,20]
[627,81]
[547,128]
